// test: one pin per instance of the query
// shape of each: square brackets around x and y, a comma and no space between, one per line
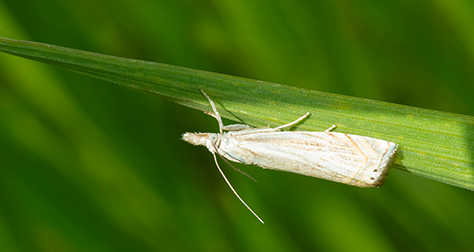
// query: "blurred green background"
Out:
[90,166]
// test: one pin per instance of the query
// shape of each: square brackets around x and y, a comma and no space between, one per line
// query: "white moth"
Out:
[349,159]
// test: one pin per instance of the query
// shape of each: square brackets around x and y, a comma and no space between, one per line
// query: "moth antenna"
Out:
[232,188]
[216,114]
[234,166]
[292,123]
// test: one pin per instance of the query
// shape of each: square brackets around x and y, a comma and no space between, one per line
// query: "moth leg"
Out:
[292,123]
[236,127]
[210,113]
[331,128]
[216,114]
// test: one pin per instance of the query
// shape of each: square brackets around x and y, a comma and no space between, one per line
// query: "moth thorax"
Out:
[196,138]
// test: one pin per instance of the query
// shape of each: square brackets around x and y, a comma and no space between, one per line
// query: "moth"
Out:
[349,159]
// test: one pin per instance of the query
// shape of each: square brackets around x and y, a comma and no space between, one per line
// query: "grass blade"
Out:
[433,144]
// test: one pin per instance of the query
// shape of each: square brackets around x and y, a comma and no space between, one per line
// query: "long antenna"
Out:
[232,188]
[221,126]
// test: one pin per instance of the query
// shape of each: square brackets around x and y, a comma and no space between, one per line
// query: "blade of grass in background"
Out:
[433,144]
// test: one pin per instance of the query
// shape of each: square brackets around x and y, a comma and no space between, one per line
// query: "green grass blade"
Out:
[433,144]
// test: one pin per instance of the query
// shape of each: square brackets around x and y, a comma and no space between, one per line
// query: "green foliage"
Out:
[89,166]
[434,144]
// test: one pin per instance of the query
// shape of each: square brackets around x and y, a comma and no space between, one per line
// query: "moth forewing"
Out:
[349,159]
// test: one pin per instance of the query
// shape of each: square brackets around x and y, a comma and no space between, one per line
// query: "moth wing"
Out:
[350,159]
